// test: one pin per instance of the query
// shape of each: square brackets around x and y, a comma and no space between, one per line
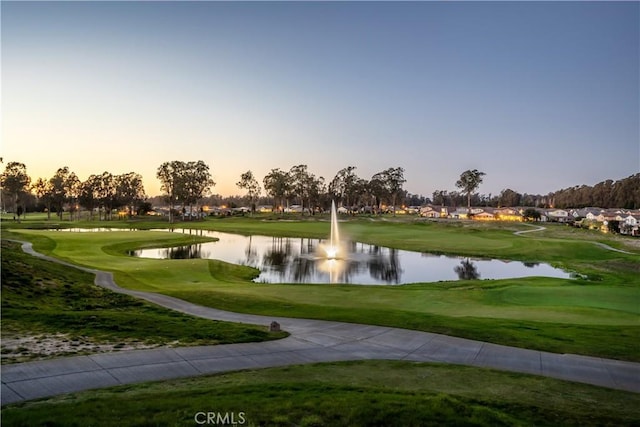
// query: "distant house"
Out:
[485,215]
[508,214]
[459,213]
[434,211]
[543,215]
[631,225]
[606,216]
[429,212]
[584,213]
[558,215]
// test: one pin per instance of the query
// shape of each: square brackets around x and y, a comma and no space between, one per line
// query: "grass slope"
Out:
[599,316]
[41,297]
[343,394]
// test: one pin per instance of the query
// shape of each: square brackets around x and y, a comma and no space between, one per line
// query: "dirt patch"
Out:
[46,346]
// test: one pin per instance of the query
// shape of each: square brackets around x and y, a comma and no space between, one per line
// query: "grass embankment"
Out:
[598,317]
[343,394]
[49,310]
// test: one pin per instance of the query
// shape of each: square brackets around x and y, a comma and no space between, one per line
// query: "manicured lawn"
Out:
[343,394]
[41,298]
[597,317]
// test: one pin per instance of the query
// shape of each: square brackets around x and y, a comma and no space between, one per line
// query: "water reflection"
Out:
[467,270]
[384,265]
[183,252]
[301,260]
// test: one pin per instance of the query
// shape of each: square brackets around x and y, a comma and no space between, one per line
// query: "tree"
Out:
[89,196]
[317,188]
[197,183]
[15,181]
[129,191]
[508,197]
[171,179]
[249,183]
[106,194]
[345,186]
[377,190]
[277,184]
[391,181]
[531,214]
[42,190]
[613,226]
[469,182]
[72,190]
[58,184]
[301,182]
[184,182]
[440,197]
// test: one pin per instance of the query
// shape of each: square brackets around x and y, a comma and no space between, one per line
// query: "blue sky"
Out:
[538,95]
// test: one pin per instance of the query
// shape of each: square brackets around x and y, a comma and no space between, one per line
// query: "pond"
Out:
[301,260]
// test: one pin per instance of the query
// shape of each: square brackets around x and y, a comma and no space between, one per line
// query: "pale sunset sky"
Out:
[538,95]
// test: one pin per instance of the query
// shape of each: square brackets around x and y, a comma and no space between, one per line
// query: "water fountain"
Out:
[334,241]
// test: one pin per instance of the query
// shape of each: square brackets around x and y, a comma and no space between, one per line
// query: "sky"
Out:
[538,95]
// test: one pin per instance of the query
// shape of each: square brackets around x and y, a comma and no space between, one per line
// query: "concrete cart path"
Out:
[602,245]
[310,341]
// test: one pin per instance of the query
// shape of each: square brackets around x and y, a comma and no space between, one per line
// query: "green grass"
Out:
[599,316]
[41,297]
[343,394]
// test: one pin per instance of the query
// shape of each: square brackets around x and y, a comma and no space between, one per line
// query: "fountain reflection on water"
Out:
[302,260]
[333,264]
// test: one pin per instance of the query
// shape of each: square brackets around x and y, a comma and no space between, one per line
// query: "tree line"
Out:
[102,192]
[186,186]
[623,193]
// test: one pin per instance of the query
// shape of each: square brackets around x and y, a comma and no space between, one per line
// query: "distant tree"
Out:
[344,187]
[317,188]
[277,184]
[614,226]
[72,189]
[624,193]
[89,197]
[107,194]
[59,186]
[394,181]
[391,180]
[439,197]
[42,190]
[531,214]
[197,183]
[15,181]
[129,191]
[378,190]
[508,197]
[300,181]
[171,176]
[469,181]
[144,208]
[249,183]
[415,199]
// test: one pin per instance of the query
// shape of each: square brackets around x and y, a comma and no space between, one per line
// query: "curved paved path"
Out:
[602,245]
[310,341]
